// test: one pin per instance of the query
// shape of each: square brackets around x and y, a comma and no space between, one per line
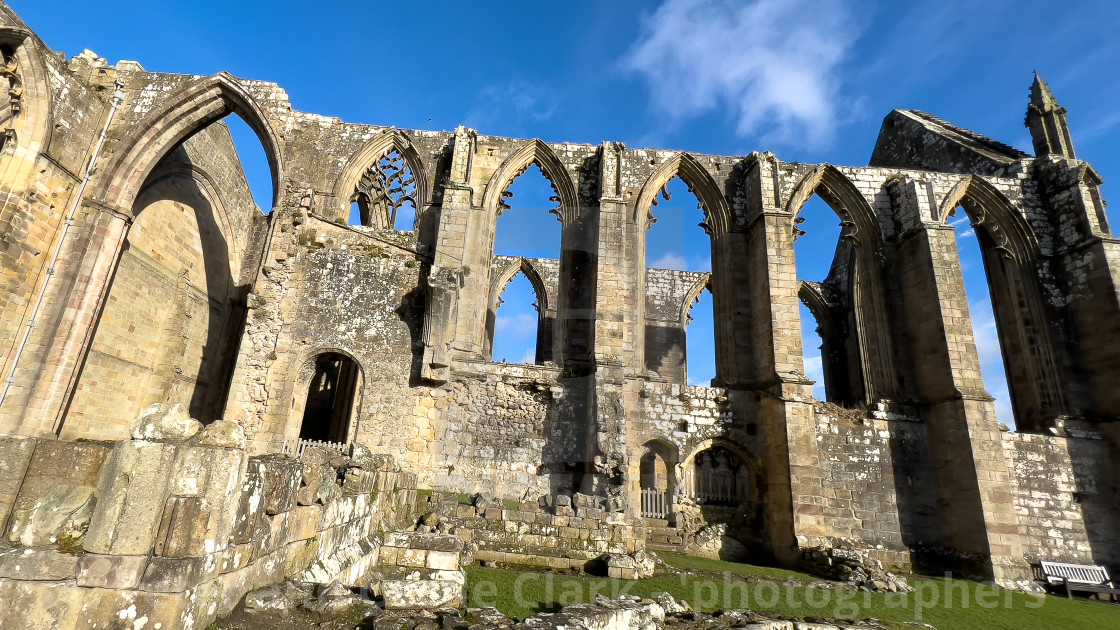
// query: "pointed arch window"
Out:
[678,250]
[516,331]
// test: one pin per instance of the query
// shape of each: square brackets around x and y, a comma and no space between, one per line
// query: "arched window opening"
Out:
[527,224]
[331,399]
[812,344]
[820,259]
[516,332]
[982,313]
[254,167]
[385,196]
[719,477]
[175,290]
[700,334]
[677,240]
[656,481]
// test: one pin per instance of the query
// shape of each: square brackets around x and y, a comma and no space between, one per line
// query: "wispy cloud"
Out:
[519,326]
[771,64]
[511,107]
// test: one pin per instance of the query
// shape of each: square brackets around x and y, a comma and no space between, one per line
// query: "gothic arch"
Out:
[539,153]
[812,297]
[990,211]
[299,378]
[743,454]
[693,295]
[34,123]
[717,214]
[367,156]
[503,278]
[856,214]
[195,106]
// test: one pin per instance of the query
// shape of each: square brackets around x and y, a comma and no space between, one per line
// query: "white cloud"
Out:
[814,370]
[510,107]
[519,326]
[670,260]
[680,262]
[530,355]
[771,64]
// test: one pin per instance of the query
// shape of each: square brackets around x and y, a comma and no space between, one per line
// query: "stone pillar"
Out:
[453,277]
[978,526]
[786,443]
[49,368]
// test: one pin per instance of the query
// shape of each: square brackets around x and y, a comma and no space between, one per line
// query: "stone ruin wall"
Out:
[926,468]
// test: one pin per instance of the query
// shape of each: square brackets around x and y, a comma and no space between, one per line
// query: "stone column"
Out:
[977,522]
[786,444]
[49,368]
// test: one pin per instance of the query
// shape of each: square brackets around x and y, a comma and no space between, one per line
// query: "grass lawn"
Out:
[944,603]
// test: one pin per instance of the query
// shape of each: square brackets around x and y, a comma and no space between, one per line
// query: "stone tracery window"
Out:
[385,196]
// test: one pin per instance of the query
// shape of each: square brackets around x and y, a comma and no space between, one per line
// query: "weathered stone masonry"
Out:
[170,286]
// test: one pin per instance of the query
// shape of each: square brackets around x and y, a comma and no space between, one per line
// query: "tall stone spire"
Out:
[1046,119]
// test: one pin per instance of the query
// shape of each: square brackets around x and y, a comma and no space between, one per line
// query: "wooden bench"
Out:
[1084,578]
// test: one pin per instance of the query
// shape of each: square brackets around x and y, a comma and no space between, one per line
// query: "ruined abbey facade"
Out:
[136,269]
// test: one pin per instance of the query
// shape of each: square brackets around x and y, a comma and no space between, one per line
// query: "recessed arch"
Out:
[717,213]
[368,156]
[184,113]
[533,152]
[502,278]
[302,379]
[690,298]
[990,211]
[858,219]
[742,453]
[32,125]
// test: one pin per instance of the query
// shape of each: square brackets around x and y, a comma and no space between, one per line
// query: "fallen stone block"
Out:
[134,491]
[222,433]
[37,564]
[421,594]
[15,455]
[164,422]
[282,477]
[172,575]
[182,532]
[119,572]
[62,513]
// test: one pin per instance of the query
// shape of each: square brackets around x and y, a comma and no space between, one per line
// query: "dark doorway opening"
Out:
[330,399]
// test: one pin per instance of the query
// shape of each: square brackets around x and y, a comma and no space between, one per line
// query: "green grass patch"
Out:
[692,563]
[510,504]
[944,603]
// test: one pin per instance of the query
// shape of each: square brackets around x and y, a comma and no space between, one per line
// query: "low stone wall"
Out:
[532,534]
[171,534]
[858,493]
[1047,497]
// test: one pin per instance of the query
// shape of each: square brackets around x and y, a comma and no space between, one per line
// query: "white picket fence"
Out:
[655,504]
[297,447]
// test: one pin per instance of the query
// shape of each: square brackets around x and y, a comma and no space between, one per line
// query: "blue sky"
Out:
[808,80]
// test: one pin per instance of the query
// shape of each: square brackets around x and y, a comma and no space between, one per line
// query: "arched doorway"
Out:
[657,478]
[332,399]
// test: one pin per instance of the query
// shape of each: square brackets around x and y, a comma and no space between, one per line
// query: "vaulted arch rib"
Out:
[182,114]
[34,123]
[539,153]
[991,212]
[717,214]
[845,200]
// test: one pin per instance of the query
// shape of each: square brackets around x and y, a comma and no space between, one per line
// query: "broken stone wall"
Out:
[175,533]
